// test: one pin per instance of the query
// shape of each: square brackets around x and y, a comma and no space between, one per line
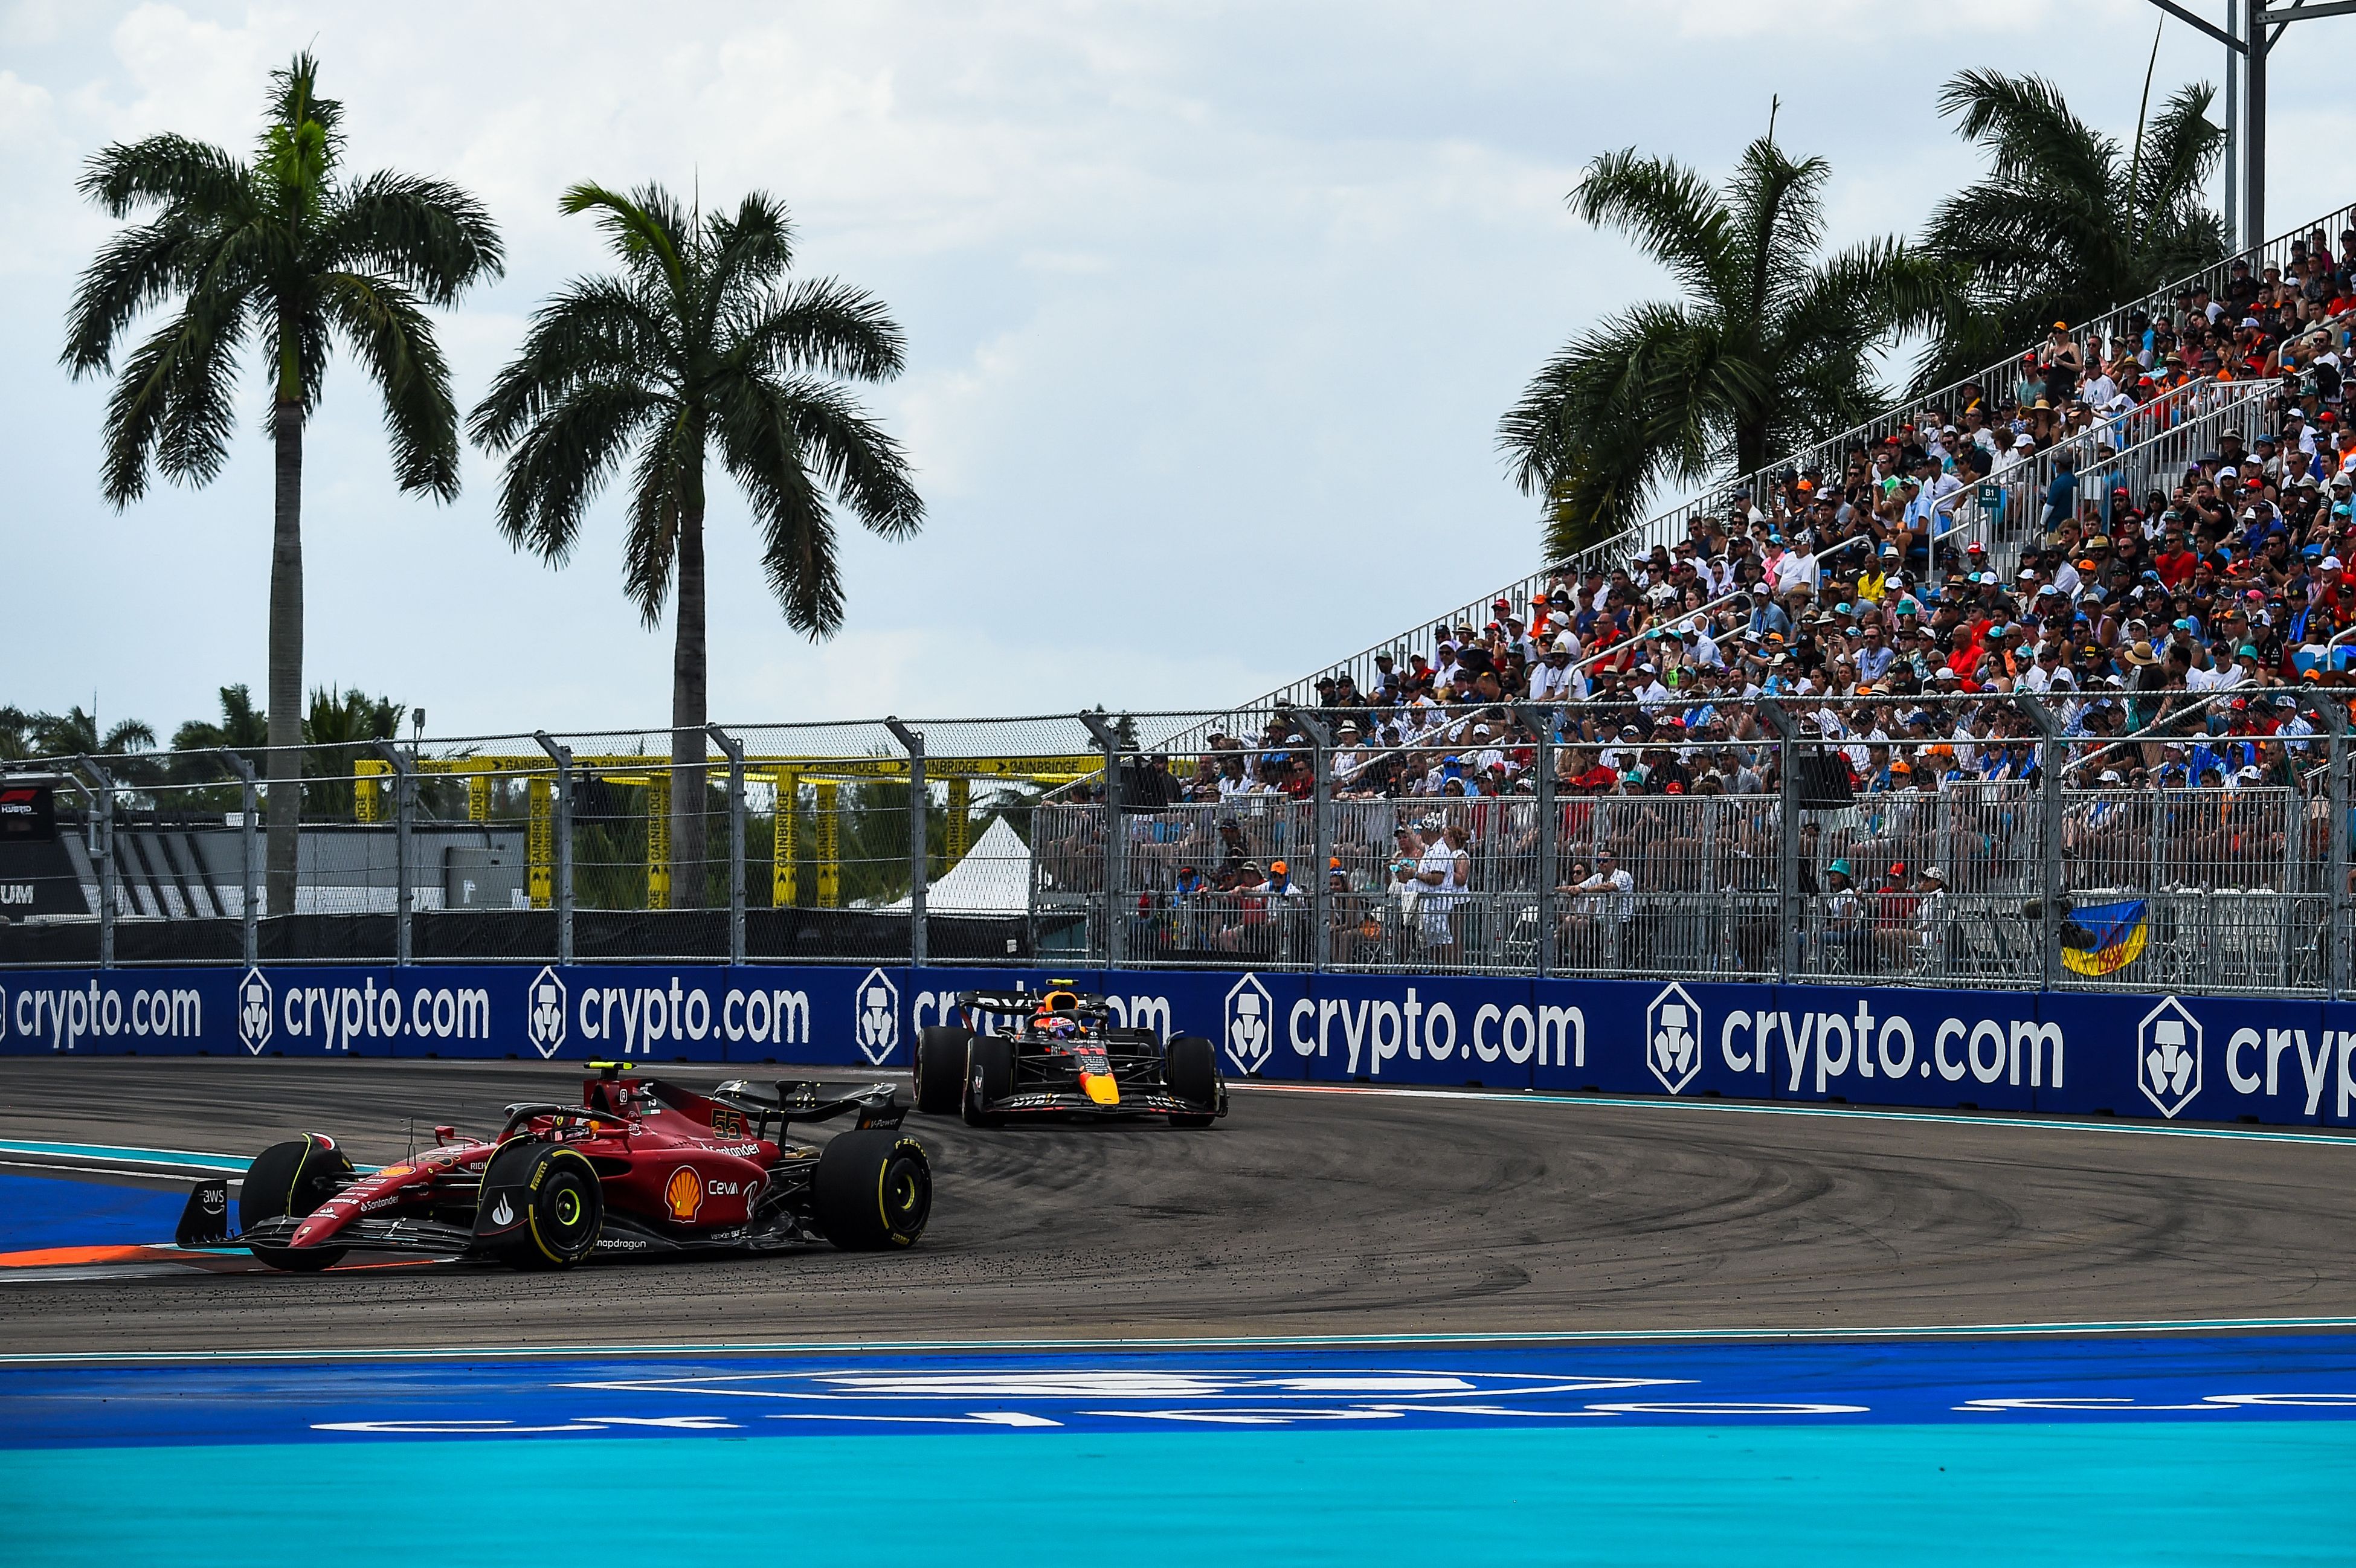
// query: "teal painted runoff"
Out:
[1761,1496]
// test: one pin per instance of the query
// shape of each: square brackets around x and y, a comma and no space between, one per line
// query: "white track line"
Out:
[1241,1341]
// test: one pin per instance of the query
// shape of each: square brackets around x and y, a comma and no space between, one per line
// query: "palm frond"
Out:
[561,460]
[1670,212]
[593,331]
[669,479]
[645,228]
[388,331]
[428,235]
[196,178]
[2027,127]
[820,326]
[171,403]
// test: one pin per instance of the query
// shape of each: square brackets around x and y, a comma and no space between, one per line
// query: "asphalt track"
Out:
[1334,1213]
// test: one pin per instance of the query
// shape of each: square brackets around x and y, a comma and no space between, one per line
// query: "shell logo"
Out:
[683,1194]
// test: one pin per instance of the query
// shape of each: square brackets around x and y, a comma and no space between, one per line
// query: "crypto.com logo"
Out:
[2168,1057]
[1249,1015]
[877,1029]
[1673,1038]
[543,1013]
[254,1014]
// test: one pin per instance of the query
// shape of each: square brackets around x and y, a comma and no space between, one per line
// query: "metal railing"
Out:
[2004,840]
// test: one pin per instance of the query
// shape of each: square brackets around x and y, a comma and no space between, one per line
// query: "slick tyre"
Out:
[940,1070]
[558,1207]
[291,1180]
[872,1190]
[1191,1064]
[988,1078]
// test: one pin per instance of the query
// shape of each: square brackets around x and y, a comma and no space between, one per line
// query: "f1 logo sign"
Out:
[2168,1057]
[253,1012]
[1673,1038]
[877,1029]
[543,1014]
[1250,1013]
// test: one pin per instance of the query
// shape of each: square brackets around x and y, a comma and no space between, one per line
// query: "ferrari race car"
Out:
[639,1167]
[1055,1052]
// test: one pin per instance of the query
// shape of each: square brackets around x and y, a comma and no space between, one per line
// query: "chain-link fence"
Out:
[1999,839]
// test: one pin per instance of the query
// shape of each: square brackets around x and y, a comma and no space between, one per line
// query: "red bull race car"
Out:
[1059,1052]
[639,1167]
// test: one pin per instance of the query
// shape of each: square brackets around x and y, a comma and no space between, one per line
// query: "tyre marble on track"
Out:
[1297,1214]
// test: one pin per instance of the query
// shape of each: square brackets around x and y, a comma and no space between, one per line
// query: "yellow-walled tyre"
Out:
[872,1190]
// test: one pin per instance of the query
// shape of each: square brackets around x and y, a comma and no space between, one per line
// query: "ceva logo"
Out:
[878,1026]
[2168,1057]
[254,1013]
[1673,1038]
[543,1013]
[1250,1014]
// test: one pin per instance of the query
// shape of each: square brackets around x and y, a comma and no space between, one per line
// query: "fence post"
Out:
[562,757]
[102,851]
[918,849]
[249,945]
[2335,876]
[404,808]
[1321,820]
[1116,919]
[1787,872]
[2052,752]
[1541,722]
[734,751]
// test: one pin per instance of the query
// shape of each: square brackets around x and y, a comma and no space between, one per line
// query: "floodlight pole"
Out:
[101,849]
[562,757]
[734,750]
[914,741]
[1115,862]
[404,801]
[249,945]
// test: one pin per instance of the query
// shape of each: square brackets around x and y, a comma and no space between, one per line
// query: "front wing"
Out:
[1135,1100]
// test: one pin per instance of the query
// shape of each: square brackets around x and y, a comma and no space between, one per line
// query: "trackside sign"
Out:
[2160,1056]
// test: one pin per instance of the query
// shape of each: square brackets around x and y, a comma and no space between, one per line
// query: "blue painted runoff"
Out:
[2167,1492]
[48,1212]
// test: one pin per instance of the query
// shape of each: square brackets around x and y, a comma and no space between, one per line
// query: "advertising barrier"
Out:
[2186,1058]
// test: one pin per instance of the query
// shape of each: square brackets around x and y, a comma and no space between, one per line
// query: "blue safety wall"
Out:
[2187,1058]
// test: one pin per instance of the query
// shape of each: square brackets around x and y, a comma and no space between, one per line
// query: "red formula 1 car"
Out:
[639,1167]
[1059,1052]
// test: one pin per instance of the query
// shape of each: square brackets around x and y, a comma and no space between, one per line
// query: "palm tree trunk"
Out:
[1749,446]
[286,769]
[688,694]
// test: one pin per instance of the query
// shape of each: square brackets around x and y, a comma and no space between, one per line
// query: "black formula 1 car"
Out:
[1057,1052]
[639,1167]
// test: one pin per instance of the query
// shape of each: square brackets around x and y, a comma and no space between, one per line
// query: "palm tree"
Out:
[242,726]
[1768,348]
[284,250]
[333,733]
[75,734]
[2067,223]
[697,347]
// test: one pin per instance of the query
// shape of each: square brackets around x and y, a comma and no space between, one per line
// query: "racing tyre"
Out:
[554,1206]
[292,1179]
[940,1070]
[872,1190]
[988,1078]
[1191,1064]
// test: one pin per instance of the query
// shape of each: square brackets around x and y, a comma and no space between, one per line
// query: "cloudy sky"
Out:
[1212,311]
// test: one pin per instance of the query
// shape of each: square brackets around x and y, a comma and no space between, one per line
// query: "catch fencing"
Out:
[2000,841]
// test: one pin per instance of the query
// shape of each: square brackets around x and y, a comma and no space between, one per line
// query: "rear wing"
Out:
[810,1100]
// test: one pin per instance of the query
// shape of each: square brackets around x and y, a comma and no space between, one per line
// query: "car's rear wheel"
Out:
[988,1078]
[872,1190]
[290,1180]
[554,1192]
[940,1070]
[1191,1066]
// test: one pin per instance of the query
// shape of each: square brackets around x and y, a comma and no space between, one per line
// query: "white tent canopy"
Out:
[994,878]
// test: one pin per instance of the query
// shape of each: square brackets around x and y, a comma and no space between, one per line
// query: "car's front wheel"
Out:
[988,1078]
[542,1206]
[1191,1067]
[872,1190]
[940,1069]
[290,1180]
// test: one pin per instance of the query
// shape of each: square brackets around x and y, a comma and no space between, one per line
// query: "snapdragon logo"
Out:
[1249,1013]
[543,1017]
[253,1012]
[2168,1057]
[1673,1038]
[878,1027]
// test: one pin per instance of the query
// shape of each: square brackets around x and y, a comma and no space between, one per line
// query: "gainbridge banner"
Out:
[2179,1058]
